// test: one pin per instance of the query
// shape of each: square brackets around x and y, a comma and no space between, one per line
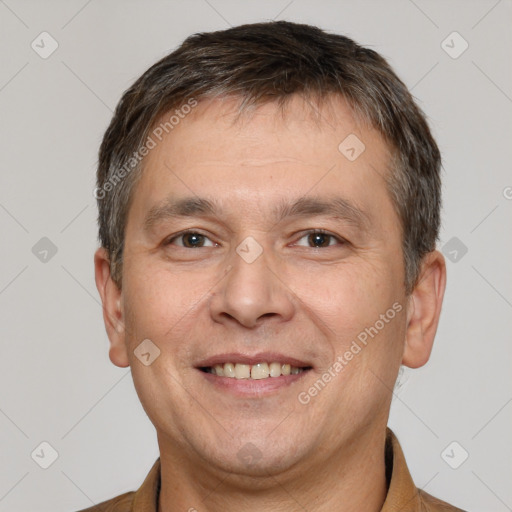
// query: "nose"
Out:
[250,292]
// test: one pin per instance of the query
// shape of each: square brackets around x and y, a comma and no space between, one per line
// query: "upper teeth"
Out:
[255,371]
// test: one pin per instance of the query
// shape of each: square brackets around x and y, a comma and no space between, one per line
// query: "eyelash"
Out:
[305,234]
[182,234]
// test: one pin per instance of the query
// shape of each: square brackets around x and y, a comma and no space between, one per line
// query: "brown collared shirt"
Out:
[402,496]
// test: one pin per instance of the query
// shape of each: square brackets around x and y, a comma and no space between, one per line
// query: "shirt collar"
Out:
[402,492]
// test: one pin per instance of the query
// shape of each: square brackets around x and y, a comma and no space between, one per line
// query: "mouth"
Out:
[253,375]
[258,371]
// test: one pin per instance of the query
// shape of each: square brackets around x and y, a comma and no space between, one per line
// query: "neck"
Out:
[351,479]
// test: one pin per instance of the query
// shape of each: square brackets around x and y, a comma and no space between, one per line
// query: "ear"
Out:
[424,309]
[112,310]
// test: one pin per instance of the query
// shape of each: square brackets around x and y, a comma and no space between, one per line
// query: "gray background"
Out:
[57,383]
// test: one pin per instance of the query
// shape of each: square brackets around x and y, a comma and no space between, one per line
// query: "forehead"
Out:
[298,128]
[264,154]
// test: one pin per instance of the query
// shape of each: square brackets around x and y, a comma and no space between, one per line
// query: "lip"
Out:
[260,357]
[247,388]
[256,388]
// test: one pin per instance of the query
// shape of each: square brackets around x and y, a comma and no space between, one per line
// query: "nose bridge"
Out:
[251,288]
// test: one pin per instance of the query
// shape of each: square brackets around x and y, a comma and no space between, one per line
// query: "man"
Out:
[269,201]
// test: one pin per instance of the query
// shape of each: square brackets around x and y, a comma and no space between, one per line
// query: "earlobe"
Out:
[423,310]
[112,308]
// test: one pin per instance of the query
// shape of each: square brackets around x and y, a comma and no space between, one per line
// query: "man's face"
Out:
[253,283]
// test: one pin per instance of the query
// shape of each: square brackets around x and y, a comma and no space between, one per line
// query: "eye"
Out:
[319,239]
[190,240]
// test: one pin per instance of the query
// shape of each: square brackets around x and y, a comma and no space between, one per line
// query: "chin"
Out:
[256,455]
[255,464]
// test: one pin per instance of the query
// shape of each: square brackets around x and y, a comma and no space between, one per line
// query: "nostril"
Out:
[267,315]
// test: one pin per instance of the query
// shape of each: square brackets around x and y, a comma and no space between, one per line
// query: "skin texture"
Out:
[295,299]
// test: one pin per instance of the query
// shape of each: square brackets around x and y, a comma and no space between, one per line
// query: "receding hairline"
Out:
[320,107]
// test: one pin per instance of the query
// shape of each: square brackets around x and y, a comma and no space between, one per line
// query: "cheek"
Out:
[347,298]
[157,300]
[360,311]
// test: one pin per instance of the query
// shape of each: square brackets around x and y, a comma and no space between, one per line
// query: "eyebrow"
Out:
[173,208]
[335,207]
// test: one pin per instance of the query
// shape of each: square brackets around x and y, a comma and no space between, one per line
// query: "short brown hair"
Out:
[265,62]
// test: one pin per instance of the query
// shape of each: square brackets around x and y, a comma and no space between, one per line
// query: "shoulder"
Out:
[121,503]
[144,499]
[432,504]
